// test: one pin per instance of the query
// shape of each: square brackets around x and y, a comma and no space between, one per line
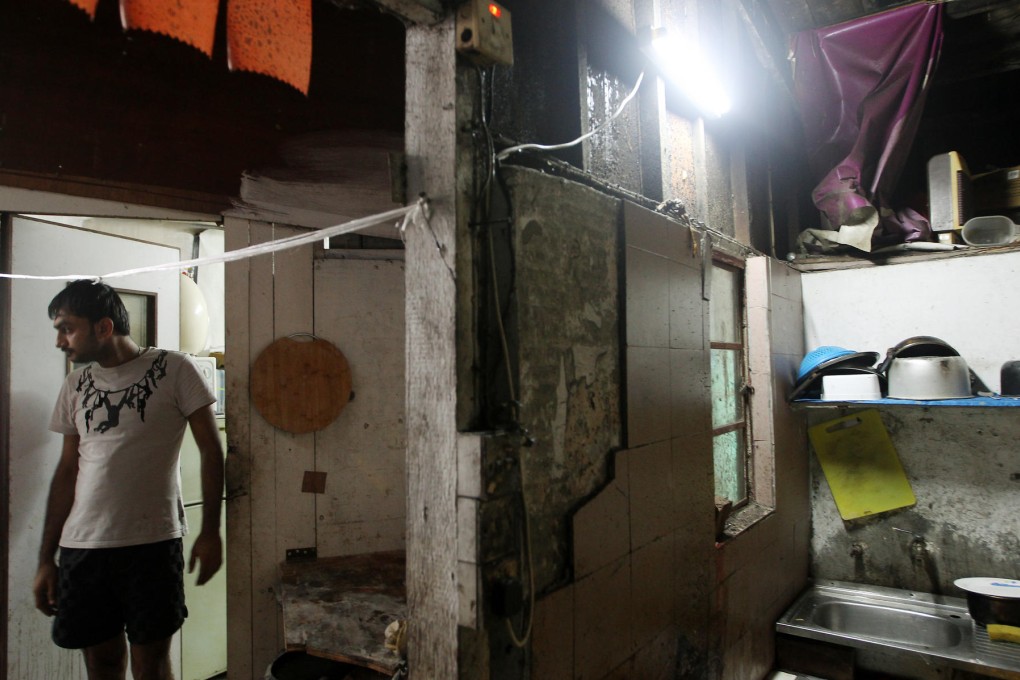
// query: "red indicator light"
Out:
[495,10]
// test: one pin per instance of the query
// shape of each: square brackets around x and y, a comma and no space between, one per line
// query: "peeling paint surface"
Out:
[569,364]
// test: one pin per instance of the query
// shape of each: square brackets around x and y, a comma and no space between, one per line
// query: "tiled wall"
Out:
[653,596]
[760,571]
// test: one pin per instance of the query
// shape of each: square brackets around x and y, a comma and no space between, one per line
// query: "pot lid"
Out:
[918,346]
[995,587]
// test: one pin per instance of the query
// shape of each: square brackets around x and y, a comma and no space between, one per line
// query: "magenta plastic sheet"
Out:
[861,87]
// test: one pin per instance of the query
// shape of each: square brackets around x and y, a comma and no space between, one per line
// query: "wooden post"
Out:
[430,136]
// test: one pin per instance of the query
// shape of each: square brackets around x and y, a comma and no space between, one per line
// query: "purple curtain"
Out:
[861,87]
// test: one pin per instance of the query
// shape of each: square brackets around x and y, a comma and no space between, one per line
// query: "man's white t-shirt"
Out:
[131,419]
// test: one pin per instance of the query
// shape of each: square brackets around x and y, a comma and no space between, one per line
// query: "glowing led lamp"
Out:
[495,10]
[685,65]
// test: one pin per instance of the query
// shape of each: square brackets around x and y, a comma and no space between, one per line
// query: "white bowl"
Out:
[859,387]
[928,378]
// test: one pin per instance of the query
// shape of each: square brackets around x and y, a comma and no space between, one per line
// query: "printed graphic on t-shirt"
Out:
[134,397]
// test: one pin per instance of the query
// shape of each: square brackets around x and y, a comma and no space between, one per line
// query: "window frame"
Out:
[760,399]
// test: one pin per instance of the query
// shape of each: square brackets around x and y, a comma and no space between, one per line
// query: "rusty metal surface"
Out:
[338,607]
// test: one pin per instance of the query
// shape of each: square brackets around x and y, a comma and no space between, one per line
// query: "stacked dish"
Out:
[918,368]
[831,360]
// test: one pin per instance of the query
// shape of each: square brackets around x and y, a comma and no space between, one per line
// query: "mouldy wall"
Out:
[568,333]
[565,324]
[761,571]
[962,462]
[964,470]
[630,580]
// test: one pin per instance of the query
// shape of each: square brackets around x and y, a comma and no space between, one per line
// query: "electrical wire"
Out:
[502,155]
[499,324]
[484,205]
[521,641]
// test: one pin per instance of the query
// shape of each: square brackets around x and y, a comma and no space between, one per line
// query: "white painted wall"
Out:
[960,461]
[211,283]
[359,307]
[176,233]
[37,370]
[973,303]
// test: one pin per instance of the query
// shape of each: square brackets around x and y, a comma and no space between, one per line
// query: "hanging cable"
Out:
[484,199]
[521,641]
[552,147]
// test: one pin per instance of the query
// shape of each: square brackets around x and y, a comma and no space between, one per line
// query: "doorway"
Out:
[50,245]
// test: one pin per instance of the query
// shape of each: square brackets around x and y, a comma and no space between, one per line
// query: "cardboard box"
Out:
[996,190]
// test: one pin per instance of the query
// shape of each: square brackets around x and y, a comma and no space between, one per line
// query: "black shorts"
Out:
[104,591]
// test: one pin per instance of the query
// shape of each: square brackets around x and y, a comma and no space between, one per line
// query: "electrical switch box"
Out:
[483,33]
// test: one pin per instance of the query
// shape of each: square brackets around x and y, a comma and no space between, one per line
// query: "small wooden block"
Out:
[313,482]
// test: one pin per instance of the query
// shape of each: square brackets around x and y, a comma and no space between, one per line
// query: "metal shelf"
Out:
[996,401]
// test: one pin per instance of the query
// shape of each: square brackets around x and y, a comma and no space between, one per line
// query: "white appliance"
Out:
[204,634]
[214,377]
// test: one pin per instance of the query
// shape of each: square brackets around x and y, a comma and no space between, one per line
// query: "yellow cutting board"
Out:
[861,465]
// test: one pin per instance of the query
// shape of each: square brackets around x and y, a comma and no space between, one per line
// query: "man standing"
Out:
[115,509]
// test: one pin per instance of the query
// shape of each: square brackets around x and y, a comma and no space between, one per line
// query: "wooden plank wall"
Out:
[359,307]
[268,297]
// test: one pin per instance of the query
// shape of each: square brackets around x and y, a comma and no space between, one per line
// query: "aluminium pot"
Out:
[928,377]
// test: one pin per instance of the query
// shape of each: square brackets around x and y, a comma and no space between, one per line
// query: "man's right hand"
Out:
[45,588]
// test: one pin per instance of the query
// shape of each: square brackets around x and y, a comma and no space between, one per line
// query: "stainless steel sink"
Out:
[872,618]
[887,623]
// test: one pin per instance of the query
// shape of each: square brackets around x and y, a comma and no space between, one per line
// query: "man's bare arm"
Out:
[58,507]
[208,547]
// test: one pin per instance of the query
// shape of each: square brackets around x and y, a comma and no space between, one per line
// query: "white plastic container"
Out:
[855,387]
[991,230]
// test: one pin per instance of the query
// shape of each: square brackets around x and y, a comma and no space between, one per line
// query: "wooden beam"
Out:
[5,423]
[238,358]
[430,142]
[34,192]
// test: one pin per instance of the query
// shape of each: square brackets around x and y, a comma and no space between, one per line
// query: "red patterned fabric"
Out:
[271,37]
[88,6]
[193,22]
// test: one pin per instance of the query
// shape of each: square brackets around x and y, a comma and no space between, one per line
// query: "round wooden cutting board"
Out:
[300,385]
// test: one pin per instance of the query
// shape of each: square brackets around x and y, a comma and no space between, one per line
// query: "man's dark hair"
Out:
[94,301]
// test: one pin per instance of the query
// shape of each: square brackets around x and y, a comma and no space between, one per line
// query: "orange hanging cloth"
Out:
[271,37]
[193,22]
[88,6]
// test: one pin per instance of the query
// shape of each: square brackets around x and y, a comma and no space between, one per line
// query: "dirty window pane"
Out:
[727,379]
[725,305]
[729,417]
[728,452]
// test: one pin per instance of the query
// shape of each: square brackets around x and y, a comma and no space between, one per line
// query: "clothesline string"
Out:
[410,214]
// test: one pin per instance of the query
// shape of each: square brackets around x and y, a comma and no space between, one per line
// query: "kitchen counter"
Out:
[339,607]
